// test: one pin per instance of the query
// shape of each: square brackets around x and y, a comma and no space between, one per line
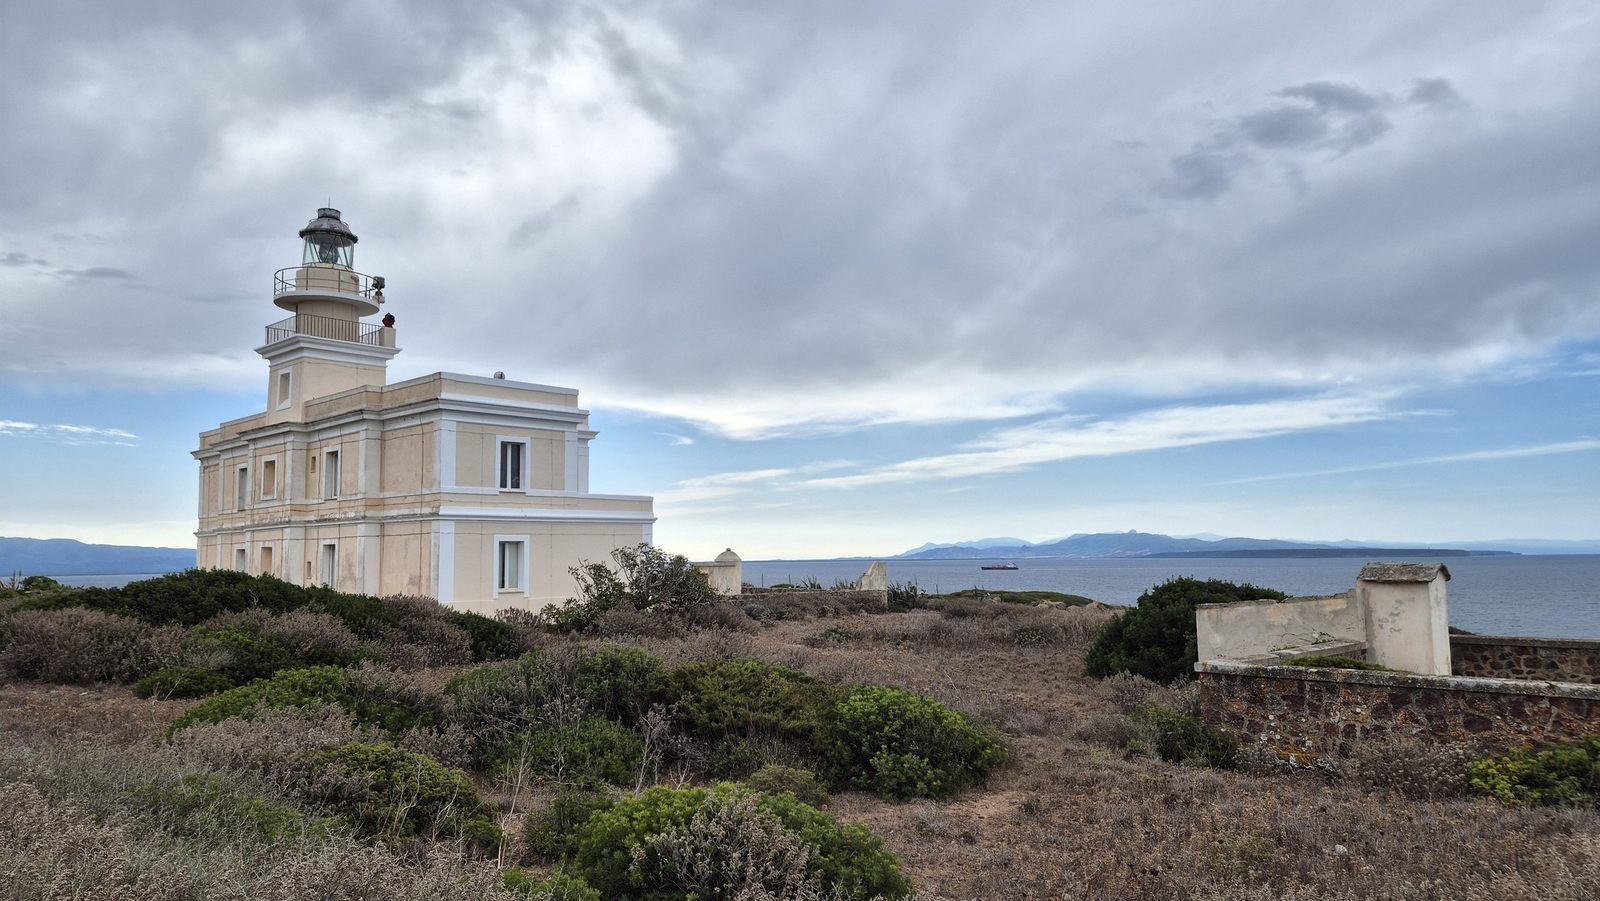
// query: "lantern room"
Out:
[328,240]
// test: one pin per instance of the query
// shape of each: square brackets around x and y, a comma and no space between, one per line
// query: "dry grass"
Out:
[1072,815]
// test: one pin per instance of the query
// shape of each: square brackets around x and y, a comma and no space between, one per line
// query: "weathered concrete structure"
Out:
[1396,616]
[726,573]
[471,490]
[1489,690]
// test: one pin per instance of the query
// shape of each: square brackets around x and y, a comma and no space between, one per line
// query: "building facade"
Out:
[471,490]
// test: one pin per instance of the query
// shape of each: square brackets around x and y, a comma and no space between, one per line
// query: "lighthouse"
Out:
[470,489]
[325,346]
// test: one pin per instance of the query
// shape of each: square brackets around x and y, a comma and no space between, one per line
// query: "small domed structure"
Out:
[728,556]
[328,240]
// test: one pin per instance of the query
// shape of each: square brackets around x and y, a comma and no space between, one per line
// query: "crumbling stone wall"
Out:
[1556,660]
[1305,713]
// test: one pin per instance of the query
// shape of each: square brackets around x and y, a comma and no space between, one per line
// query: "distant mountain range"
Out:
[1147,544]
[65,557]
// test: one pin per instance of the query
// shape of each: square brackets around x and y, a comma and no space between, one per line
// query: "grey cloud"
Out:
[96,272]
[1436,92]
[1327,95]
[858,211]
[15,258]
[1285,126]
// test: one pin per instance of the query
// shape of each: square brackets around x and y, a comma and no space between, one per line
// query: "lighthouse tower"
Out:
[324,347]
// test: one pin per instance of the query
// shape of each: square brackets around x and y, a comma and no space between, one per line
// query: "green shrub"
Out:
[387,791]
[181,682]
[191,597]
[1179,738]
[1335,661]
[558,886]
[904,745]
[642,578]
[249,656]
[551,831]
[491,638]
[618,849]
[311,687]
[494,702]
[39,583]
[1156,639]
[905,597]
[201,804]
[1560,774]
[621,683]
[737,705]
[777,779]
[589,752]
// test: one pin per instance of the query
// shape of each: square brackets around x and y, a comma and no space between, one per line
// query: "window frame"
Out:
[525,456]
[328,564]
[241,488]
[523,558]
[332,474]
[241,559]
[269,486]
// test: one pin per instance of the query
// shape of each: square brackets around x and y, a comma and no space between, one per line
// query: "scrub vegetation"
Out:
[252,739]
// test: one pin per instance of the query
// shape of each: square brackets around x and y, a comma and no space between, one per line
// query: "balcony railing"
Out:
[351,330]
[325,280]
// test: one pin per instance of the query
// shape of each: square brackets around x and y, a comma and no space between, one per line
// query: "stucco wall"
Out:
[1562,660]
[1304,713]
[1249,628]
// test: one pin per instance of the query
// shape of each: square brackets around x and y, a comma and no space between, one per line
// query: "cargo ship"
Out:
[998,566]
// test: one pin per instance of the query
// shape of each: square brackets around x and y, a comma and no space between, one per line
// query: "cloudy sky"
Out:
[841,277]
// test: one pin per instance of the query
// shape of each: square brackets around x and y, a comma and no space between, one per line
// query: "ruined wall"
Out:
[1557,660]
[1307,713]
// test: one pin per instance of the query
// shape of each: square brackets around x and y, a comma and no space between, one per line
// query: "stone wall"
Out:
[1558,660]
[1304,713]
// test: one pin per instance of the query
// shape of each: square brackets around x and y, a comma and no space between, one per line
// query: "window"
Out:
[241,559]
[330,565]
[269,479]
[285,382]
[242,496]
[509,566]
[512,457]
[266,559]
[330,474]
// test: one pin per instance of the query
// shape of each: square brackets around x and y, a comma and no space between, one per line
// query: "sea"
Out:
[1539,596]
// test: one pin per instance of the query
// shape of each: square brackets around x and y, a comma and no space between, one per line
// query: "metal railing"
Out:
[315,279]
[351,330]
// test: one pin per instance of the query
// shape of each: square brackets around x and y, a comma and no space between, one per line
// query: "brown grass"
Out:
[1073,815]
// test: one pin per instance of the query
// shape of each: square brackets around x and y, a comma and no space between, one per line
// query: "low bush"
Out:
[387,791]
[181,682]
[1559,774]
[200,804]
[1156,639]
[733,705]
[418,633]
[312,687]
[1177,737]
[558,886]
[81,646]
[491,703]
[551,831]
[590,752]
[491,639]
[621,683]
[777,779]
[666,843]
[1334,661]
[905,745]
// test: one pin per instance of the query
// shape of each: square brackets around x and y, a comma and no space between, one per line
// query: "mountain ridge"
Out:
[70,557]
[1134,543]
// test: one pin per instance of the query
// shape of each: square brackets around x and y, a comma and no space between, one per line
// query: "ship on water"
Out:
[1007,566]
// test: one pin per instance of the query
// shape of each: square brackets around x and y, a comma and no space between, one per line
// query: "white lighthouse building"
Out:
[471,490]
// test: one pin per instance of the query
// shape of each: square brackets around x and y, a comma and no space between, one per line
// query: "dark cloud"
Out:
[1327,96]
[1285,126]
